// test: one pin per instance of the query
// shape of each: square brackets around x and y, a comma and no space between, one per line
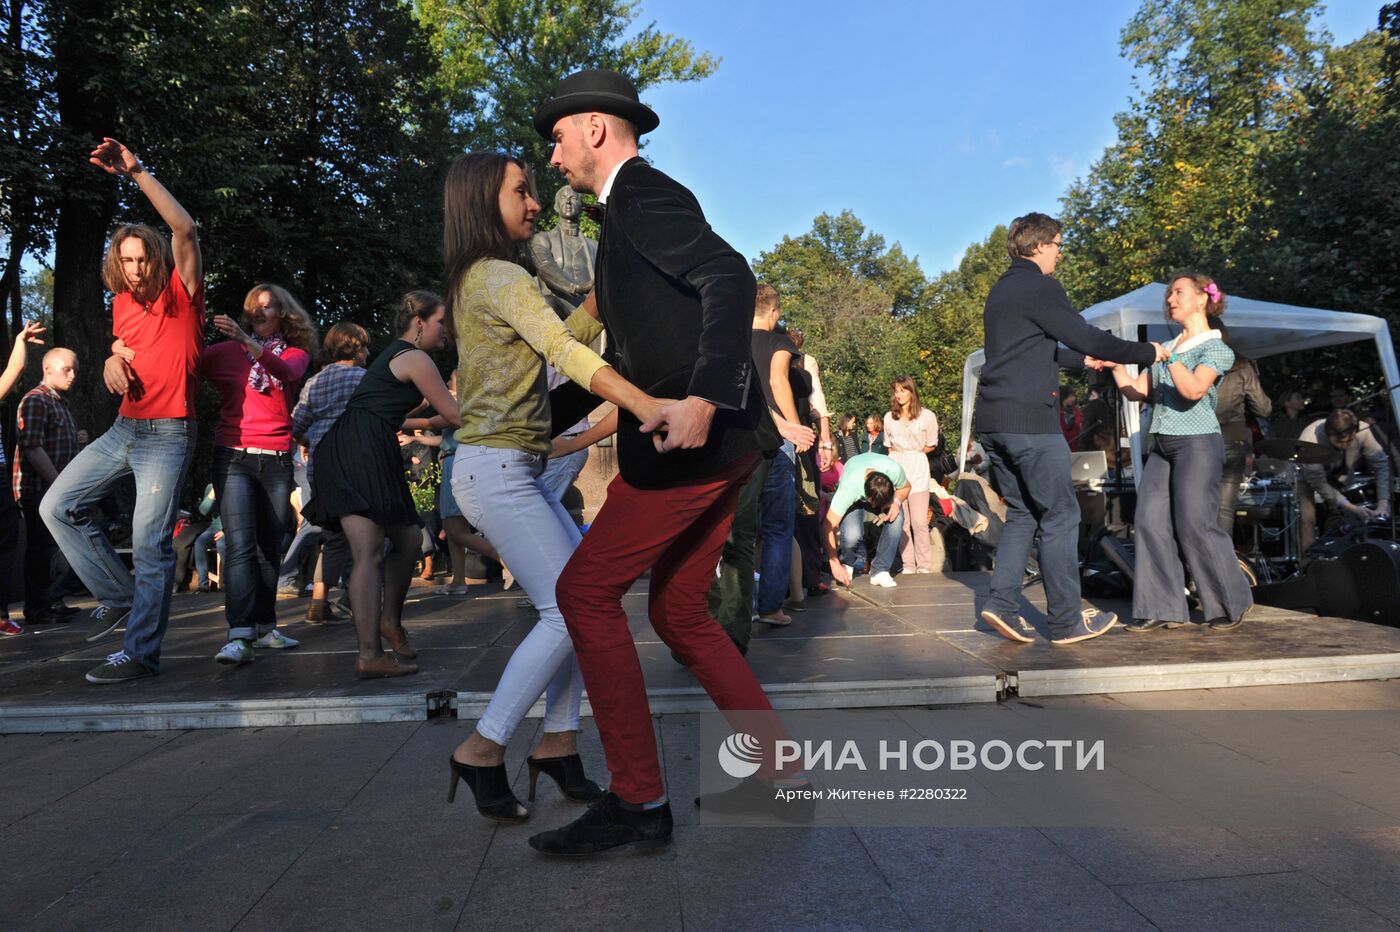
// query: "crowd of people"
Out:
[729,458]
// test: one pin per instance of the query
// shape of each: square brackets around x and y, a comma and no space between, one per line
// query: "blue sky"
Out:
[918,116]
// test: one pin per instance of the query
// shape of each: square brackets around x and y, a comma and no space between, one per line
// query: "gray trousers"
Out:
[1178,505]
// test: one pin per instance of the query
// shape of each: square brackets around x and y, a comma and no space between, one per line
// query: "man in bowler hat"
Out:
[677,302]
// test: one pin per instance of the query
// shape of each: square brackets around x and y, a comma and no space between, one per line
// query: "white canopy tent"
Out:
[1257,329]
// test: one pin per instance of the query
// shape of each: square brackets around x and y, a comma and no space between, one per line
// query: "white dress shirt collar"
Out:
[607,185]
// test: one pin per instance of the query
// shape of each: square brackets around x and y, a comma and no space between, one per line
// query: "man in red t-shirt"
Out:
[158,313]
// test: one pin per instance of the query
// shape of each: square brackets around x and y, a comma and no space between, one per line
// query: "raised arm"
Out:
[19,355]
[116,159]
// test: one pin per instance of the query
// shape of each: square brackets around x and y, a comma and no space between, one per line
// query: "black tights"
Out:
[379,581]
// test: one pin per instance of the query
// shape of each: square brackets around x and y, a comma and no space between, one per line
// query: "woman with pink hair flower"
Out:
[1178,496]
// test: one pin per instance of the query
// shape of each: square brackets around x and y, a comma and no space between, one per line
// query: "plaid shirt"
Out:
[44,422]
[323,400]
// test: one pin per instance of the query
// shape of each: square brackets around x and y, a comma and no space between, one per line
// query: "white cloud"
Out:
[1016,161]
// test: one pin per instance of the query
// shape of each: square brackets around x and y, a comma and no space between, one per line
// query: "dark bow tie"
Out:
[594,212]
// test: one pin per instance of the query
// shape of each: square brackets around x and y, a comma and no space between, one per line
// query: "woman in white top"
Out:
[911,433]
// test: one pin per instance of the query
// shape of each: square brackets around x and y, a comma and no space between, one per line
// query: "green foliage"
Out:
[1258,153]
[36,296]
[504,57]
[869,314]
[308,137]
[951,329]
[424,488]
[1183,182]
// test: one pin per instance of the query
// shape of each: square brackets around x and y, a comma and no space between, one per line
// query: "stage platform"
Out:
[918,644]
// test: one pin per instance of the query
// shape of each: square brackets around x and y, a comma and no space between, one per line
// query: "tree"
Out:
[505,57]
[306,138]
[1330,232]
[854,298]
[26,189]
[1219,80]
[951,327]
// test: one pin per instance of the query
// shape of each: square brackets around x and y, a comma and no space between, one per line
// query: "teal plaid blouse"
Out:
[1175,415]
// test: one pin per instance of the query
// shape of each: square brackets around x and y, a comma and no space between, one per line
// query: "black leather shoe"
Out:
[752,796]
[1145,624]
[1226,624]
[607,824]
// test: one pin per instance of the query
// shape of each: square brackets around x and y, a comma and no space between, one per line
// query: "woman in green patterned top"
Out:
[506,332]
[1178,496]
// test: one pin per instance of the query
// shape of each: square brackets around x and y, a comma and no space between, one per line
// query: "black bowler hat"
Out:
[594,90]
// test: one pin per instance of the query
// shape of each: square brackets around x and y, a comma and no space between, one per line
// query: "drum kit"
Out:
[1268,504]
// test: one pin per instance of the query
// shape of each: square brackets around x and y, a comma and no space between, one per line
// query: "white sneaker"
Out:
[884,580]
[276,640]
[235,652]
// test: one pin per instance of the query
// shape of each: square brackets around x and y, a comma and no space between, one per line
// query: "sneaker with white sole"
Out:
[883,580]
[9,629]
[118,668]
[1091,624]
[1018,630]
[276,640]
[237,651]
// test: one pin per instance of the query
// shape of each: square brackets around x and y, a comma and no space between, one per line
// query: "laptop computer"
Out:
[1089,468]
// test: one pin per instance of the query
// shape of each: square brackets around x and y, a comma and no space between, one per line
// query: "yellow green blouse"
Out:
[505,333]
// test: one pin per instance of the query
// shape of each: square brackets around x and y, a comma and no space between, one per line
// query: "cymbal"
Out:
[1296,451]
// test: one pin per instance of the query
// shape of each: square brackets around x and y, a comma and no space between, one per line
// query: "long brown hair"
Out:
[297,327]
[914,406]
[160,261]
[472,228]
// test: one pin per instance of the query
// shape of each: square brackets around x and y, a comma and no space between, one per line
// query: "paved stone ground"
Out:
[345,827]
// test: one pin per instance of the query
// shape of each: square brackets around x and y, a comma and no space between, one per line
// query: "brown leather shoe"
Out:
[398,641]
[384,666]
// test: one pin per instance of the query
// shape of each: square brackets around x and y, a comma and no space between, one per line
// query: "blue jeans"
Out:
[254,492]
[777,506]
[560,473]
[853,539]
[1178,516]
[201,552]
[156,452]
[1032,474]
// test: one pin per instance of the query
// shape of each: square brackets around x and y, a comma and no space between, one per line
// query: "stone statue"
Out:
[564,258]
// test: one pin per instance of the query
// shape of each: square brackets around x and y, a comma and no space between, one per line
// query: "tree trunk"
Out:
[87,202]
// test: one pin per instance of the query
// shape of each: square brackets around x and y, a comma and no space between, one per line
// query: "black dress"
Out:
[359,470]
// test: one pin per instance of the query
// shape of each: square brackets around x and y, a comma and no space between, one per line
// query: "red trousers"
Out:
[678,534]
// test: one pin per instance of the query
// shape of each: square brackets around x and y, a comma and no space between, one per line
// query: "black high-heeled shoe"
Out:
[490,788]
[568,773]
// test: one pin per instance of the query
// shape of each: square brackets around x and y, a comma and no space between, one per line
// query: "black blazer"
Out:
[677,302]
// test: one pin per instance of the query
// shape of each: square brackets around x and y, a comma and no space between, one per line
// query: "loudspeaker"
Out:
[1363,584]
[1375,566]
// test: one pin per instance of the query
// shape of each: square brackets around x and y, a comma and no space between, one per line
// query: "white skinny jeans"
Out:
[499,491]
